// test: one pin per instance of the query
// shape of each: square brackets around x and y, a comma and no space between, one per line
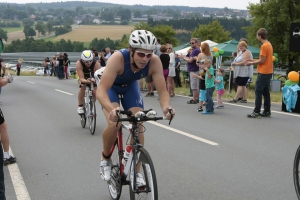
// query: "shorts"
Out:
[166,74]
[1,117]
[131,95]
[241,81]
[172,72]
[149,79]
[194,82]
[202,96]
[221,92]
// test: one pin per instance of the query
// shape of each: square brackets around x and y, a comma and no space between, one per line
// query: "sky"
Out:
[235,4]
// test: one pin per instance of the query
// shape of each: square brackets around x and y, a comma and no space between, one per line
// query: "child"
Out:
[202,94]
[220,87]
[210,86]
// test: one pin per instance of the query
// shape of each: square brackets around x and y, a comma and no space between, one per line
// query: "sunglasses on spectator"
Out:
[192,43]
[89,61]
[201,62]
[142,54]
[169,48]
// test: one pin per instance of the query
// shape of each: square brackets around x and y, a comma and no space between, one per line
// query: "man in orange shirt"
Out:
[264,75]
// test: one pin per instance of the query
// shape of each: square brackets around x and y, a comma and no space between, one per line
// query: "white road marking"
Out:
[272,111]
[63,92]
[185,134]
[17,180]
[31,82]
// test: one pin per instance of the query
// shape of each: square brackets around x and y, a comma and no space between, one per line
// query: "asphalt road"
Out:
[243,159]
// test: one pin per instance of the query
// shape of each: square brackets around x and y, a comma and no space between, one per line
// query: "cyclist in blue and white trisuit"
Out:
[84,66]
[120,76]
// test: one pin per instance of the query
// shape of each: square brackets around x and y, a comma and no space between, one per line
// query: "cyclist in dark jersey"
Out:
[122,72]
[85,68]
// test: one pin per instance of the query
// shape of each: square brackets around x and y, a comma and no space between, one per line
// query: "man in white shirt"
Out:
[108,54]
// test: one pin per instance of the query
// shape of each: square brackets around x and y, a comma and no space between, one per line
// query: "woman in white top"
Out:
[242,72]
[172,73]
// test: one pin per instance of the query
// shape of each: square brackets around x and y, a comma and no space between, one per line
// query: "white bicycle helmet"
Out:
[142,39]
[87,55]
[98,74]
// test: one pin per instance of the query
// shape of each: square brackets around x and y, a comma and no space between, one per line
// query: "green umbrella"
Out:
[231,46]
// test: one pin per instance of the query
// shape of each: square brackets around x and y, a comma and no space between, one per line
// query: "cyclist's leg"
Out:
[81,93]
[109,137]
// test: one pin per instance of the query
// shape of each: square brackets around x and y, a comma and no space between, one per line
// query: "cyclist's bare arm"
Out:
[115,66]
[156,70]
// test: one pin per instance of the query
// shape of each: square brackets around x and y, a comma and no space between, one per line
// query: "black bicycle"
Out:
[296,172]
[124,172]
[89,108]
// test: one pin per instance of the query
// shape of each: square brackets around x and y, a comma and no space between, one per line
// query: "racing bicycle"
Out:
[139,159]
[89,108]
[296,172]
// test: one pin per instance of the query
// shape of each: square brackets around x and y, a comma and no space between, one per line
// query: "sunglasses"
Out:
[142,54]
[192,43]
[87,61]
[201,62]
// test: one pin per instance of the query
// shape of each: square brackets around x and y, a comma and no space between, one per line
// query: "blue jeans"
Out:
[209,99]
[61,74]
[262,88]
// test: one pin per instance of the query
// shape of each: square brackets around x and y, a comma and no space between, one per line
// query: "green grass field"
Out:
[13,29]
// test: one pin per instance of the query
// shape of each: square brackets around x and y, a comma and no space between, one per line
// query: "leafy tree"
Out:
[49,27]
[125,14]
[137,14]
[40,29]
[28,31]
[165,33]
[142,26]
[3,34]
[212,31]
[276,18]
[123,43]
[27,22]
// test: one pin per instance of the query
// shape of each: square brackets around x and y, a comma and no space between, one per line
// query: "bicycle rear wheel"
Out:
[115,184]
[296,172]
[149,191]
[92,116]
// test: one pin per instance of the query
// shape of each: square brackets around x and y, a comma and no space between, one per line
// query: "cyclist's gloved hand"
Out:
[113,114]
[10,78]
[169,112]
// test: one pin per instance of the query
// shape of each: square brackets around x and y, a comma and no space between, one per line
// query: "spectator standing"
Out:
[6,157]
[18,68]
[172,73]
[157,49]
[241,72]
[265,71]
[210,86]
[60,67]
[165,60]
[202,94]
[193,69]
[53,66]
[107,55]
[177,71]
[66,65]
[102,61]
[220,87]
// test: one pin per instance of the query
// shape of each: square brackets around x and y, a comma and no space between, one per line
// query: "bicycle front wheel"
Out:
[149,189]
[296,172]
[92,116]
[115,184]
